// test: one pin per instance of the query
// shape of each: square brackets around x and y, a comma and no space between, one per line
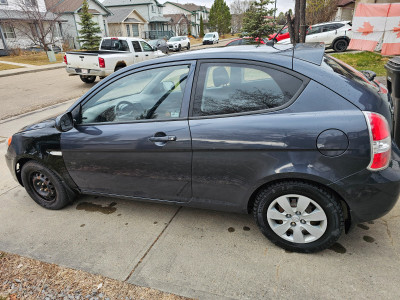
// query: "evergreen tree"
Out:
[201,26]
[256,23]
[88,34]
[220,17]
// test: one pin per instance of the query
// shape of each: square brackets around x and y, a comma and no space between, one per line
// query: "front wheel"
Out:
[44,186]
[179,48]
[88,79]
[340,45]
[299,216]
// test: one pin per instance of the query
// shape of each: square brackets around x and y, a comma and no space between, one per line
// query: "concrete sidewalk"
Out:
[192,252]
[28,68]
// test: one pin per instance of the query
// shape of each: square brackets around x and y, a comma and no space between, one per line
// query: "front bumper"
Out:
[90,72]
[11,161]
[208,42]
[371,195]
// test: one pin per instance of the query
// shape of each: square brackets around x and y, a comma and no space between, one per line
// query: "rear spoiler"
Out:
[310,52]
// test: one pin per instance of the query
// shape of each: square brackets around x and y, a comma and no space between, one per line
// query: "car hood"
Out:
[46,123]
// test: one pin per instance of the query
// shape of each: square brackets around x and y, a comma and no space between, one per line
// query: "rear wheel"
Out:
[179,47]
[188,46]
[340,45]
[44,186]
[298,216]
[88,79]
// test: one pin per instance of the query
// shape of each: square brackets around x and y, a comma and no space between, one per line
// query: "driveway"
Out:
[192,252]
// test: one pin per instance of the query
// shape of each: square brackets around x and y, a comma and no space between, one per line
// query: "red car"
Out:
[284,34]
[243,41]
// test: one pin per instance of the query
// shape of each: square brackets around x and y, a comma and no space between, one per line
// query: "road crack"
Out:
[151,246]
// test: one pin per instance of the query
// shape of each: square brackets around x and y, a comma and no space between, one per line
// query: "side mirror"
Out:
[64,122]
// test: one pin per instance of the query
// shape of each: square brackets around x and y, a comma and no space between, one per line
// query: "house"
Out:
[69,10]
[27,23]
[345,10]
[192,11]
[180,23]
[156,26]
[126,21]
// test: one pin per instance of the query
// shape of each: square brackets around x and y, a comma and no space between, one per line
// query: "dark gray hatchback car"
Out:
[293,136]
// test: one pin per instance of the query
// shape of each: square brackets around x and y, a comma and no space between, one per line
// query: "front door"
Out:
[133,139]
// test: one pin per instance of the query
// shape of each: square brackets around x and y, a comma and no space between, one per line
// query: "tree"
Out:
[201,26]
[238,8]
[33,24]
[281,19]
[297,24]
[88,34]
[320,11]
[255,21]
[220,17]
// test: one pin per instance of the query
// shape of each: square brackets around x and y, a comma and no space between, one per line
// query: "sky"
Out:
[281,5]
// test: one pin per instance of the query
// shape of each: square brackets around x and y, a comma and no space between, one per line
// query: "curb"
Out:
[30,71]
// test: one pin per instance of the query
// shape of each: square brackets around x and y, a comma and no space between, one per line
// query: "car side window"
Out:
[136,46]
[226,88]
[150,94]
[235,43]
[314,30]
[146,47]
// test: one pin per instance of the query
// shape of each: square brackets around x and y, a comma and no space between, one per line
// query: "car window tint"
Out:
[234,43]
[106,44]
[314,30]
[145,46]
[235,88]
[136,46]
[119,45]
[150,94]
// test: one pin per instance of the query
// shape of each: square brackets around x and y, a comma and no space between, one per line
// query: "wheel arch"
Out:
[120,64]
[345,206]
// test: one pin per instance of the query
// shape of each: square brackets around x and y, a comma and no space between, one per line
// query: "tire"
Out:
[88,79]
[55,197]
[188,46]
[283,226]
[179,48]
[118,68]
[340,45]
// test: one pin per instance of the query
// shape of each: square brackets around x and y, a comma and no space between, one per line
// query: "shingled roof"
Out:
[345,2]
[68,6]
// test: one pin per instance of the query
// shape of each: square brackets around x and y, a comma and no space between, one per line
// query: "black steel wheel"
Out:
[340,45]
[87,79]
[44,186]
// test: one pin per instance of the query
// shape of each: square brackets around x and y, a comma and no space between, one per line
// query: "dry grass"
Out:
[32,58]
[8,67]
[37,279]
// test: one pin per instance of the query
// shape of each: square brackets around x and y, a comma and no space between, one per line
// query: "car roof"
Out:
[333,22]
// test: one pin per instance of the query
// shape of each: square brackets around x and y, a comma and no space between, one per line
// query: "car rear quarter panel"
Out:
[235,155]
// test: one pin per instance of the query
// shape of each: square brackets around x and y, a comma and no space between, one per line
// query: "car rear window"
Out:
[349,72]
[117,45]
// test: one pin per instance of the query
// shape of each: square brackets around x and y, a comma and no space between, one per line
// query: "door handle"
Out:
[163,139]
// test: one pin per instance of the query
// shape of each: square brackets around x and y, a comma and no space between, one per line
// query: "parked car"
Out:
[177,43]
[159,44]
[295,137]
[335,35]
[244,41]
[114,53]
[211,38]
[284,34]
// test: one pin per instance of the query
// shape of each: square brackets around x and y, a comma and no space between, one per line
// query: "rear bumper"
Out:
[91,72]
[371,195]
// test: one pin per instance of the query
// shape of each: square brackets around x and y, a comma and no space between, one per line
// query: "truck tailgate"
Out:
[82,60]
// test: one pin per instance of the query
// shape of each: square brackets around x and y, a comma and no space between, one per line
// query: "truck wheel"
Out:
[340,45]
[88,79]
[299,216]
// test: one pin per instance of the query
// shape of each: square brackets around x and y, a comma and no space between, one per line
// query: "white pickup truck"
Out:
[114,53]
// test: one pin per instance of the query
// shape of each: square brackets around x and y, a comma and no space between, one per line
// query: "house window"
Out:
[31,2]
[128,30]
[153,8]
[159,10]
[3,2]
[135,29]
[9,32]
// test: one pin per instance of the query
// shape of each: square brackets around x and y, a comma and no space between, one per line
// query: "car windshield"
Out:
[152,42]
[208,35]
[344,69]
[175,39]
[284,30]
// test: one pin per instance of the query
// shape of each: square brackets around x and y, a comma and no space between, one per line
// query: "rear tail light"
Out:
[65,59]
[102,63]
[381,143]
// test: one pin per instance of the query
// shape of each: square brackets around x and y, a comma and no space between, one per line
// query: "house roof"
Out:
[188,6]
[121,14]
[19,15]
[176,18]
[69,6]
[345,2]
[113,3]
[159,19]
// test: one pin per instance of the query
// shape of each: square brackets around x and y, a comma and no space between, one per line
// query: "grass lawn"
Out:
[37,59]
[365,61]
[8,67]
[200,40]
